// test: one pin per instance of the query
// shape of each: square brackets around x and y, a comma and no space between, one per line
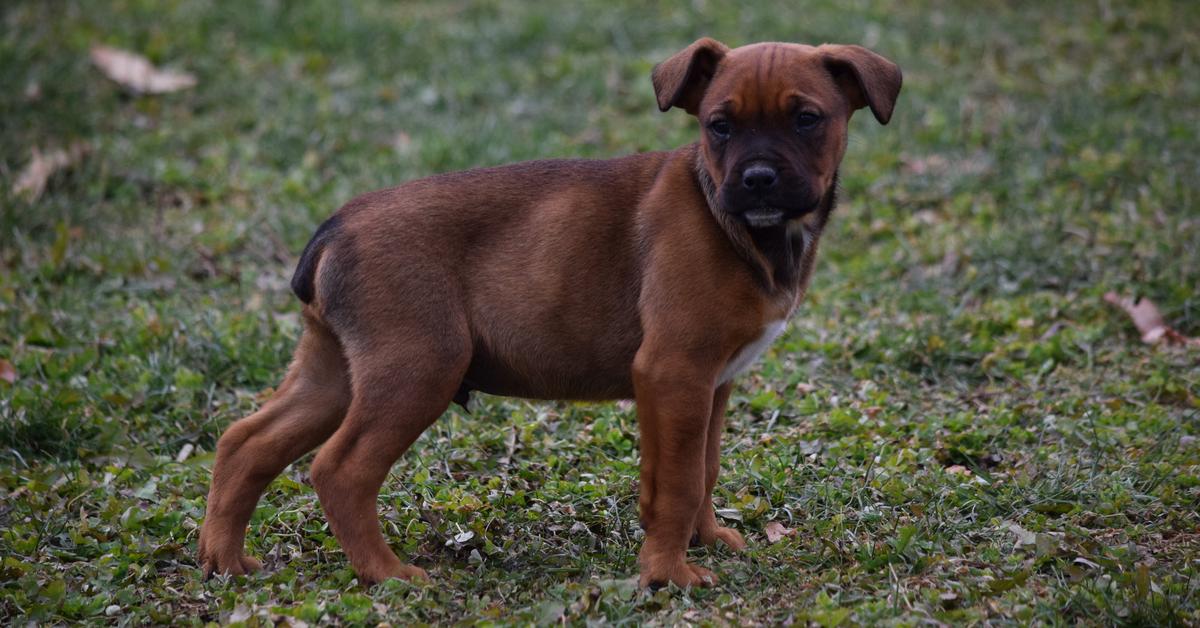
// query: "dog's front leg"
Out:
[708,531]
[674,400]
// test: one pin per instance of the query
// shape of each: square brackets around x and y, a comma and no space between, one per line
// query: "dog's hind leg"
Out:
[404,378]
[309,405]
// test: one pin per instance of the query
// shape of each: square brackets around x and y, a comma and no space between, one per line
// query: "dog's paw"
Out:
[708,532]
[217,555]
[399,571]
[656,574]
[730,537]
[233,564]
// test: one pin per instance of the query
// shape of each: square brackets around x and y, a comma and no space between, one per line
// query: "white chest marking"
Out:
[747,355]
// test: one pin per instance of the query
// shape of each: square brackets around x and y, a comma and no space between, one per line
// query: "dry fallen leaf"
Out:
[240,613]
[7,372]
[32,180]
[777,531]
[1024,537]
[1149,321]
[136,73]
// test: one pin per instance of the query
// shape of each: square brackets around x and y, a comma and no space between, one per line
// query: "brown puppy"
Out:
[658,276]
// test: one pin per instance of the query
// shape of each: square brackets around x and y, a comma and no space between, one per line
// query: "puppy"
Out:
[658,277]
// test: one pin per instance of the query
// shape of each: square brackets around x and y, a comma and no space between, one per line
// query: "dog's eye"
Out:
[807,120]
[720,128]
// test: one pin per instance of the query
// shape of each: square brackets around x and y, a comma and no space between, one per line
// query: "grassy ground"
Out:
[956,426]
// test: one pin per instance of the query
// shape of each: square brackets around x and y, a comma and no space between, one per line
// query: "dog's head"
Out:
[773,118]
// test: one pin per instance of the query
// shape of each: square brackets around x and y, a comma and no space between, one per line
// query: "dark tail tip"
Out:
[303,280]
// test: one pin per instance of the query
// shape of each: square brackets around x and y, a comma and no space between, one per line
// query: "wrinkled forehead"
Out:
[770,78]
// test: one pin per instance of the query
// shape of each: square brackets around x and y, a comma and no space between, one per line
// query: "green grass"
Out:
[1040,155]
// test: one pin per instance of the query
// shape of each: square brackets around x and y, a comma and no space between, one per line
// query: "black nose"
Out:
[759,178]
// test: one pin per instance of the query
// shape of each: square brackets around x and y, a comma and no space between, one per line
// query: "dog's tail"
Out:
[303,280]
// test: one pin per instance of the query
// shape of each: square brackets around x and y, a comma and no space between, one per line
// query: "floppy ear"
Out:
[681,80]
[867,79]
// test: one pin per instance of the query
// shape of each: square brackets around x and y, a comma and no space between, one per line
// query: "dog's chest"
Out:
[747,355]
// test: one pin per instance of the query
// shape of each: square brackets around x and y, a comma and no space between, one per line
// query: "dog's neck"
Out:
[781,257]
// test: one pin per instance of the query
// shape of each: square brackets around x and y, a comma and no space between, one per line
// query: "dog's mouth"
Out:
[763,217]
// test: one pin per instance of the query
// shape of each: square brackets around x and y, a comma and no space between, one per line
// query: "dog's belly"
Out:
[536,346]
[749,354]
[543,372]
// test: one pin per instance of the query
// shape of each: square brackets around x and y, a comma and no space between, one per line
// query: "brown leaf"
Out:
[7,372]
[135,73]
[32,180]
[1024,537]
[1149,321]
[777,531]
